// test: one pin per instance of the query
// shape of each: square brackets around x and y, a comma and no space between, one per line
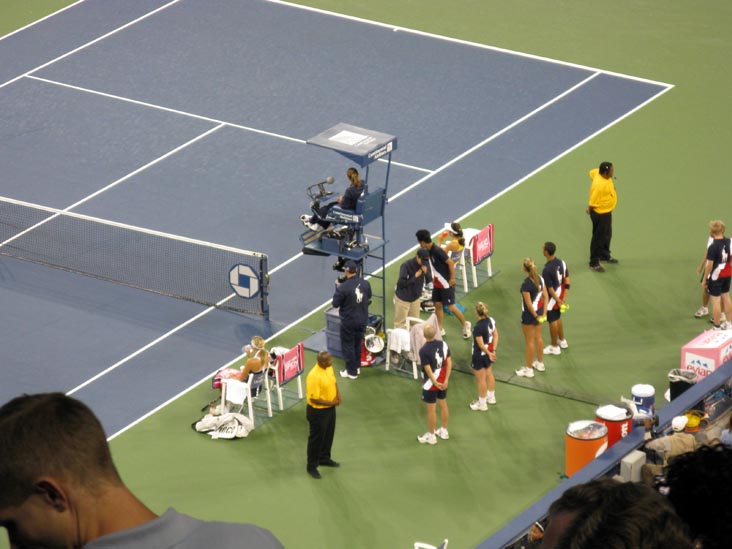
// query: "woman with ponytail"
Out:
[485,345]
[534,294]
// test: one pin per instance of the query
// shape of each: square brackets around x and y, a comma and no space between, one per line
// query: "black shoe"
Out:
[314,473]
[597,268]
[610,260]
[339,265]
[329,463]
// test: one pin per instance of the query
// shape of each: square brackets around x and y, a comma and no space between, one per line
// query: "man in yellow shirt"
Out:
[323,397]
[600,209]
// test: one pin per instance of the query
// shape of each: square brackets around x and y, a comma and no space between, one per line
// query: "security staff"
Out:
[603,200]
[323,397]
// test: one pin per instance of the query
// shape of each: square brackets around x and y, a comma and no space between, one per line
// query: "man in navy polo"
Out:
[412,274]
[352,297]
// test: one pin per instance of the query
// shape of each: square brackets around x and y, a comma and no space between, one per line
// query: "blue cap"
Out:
[350,266]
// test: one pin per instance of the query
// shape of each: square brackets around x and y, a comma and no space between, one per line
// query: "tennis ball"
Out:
[564,307]
[541,319]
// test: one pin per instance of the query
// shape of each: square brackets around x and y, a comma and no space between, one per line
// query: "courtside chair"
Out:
[467,259]
[405,357]
[273,381]
[240,393]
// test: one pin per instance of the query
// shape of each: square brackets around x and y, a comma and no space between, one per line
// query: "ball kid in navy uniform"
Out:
[352,298]
[434,356]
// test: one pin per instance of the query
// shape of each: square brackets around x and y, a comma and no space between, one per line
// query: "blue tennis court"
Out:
[190,118]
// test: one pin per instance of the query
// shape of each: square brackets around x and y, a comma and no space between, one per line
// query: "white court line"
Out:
[192,115]
[566,152]
[166,109]
[465,42]
[113,184]
[29,25]
[98,39]
[495,135]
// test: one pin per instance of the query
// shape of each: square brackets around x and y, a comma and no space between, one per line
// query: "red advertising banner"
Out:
[291,364]
[482,245]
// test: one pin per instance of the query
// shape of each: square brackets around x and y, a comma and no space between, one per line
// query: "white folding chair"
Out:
[240,393]
[273,381]
[405,355]
[393,357]
[466,259]
[414,327]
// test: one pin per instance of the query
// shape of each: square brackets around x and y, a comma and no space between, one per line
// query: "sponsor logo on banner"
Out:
[483,244]
[292,363]
[701,365]
[726,353]
[381,151]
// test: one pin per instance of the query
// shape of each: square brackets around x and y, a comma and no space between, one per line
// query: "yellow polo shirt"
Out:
[602,193]
[320,384]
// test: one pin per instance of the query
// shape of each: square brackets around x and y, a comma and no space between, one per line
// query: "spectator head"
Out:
[54,457]
[678,424]
[693,478]
[613,515]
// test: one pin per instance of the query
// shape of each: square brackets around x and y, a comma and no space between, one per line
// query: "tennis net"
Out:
[166,264]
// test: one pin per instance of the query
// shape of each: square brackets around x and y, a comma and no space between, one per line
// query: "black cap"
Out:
[350,266]
[423,253]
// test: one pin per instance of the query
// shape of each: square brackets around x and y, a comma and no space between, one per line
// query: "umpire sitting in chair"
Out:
[347,201]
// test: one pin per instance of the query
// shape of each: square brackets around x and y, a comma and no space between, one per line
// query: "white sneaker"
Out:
[305,219]
[428,438]
[563,343]
[551,350]
[467,330]
[344,373]
[726,325]
[525,372]
[314,226]
[539,366]
[491,399]
[478,407]
[702,311]
[442,433]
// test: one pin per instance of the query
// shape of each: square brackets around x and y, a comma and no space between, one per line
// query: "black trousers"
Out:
[602,234]
[351,343]
[322,428]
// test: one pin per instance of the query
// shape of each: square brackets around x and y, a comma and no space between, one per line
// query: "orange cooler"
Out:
[585,440]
